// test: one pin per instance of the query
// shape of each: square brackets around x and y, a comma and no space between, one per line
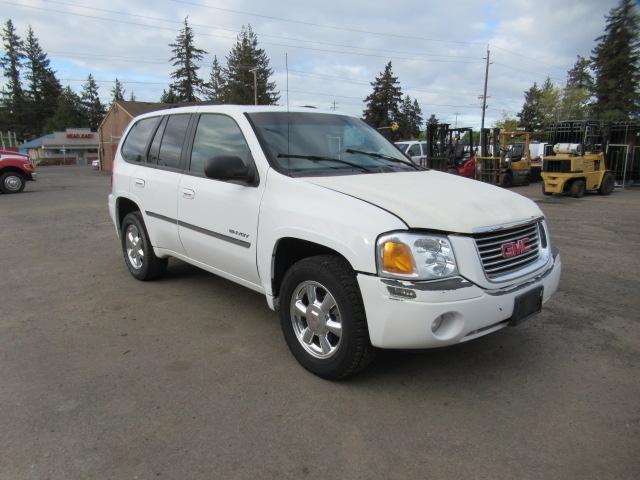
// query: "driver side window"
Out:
[217,135]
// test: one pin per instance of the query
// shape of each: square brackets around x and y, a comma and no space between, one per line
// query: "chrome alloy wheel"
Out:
[133,245]
[316,319]
[12,183]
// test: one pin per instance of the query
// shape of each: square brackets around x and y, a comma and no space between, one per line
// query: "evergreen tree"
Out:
[384,101]
[44,88]
[169,96]
[432,120]
[549,103]
[244,56]
[93,108]
[580,75]
[12,101]
[530,116]
[616,62]
[216,88]
[576,95]
[187,84]
[117,92]
[69,112]
[409,119]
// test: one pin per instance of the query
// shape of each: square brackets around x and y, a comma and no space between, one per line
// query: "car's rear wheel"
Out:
[577,188]
[137,250]
[323,319]
[12,182]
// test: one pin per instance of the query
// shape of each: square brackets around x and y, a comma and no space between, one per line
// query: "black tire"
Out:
[544,192]
[507,181]
[12,182]
[354,352]
[151,266]
[576,190]
[527,181]
[607,185]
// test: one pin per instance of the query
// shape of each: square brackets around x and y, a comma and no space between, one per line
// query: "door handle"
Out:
[188,193]
[139,182]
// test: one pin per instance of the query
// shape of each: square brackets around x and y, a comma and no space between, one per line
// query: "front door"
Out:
[218,220]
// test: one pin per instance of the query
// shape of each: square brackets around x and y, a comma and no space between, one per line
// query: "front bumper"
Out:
[400,314]
[33,176]
[554,183]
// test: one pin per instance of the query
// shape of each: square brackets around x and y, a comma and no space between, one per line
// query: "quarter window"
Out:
[217,135]
[172,140]
[414,150]
[133,149]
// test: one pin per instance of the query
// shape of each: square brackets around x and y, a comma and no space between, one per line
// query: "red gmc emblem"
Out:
[513,249]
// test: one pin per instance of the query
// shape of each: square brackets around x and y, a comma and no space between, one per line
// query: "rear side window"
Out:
[217,135]
[424,148]
[414,150]
[172,140]
[133,149]
[154,149]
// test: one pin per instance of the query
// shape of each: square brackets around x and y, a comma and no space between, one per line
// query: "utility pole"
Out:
[255,85]
[456,125]
[484,95]
[333,105]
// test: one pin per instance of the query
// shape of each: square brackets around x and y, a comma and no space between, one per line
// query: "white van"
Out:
[353,244]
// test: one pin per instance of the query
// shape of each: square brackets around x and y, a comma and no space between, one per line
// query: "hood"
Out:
[435,200]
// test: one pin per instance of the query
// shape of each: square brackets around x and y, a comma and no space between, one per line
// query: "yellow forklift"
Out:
[505,159]
[578,162]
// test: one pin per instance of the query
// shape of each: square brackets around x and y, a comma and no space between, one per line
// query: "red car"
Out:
[16,170]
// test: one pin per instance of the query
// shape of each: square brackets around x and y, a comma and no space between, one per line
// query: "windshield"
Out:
[301,143]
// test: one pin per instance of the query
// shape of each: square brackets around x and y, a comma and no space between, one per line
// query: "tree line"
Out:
[605,86]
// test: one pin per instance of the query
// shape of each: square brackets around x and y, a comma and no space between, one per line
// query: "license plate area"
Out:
[526,305]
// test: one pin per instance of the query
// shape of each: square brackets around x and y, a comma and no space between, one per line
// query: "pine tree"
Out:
[616,62]
[580,76]
[384,101]
[432,120]
[576,95]
[187,84]
[117,92]
[530,116]
[69,112]
[169,96]
[44,88]
[12,101]
[409,119]
[244,56]
[216,88]
[93,108]
[549,103]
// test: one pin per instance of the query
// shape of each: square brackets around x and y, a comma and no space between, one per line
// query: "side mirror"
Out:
[228,167]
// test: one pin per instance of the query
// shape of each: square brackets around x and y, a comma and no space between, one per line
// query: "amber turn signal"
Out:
[397,258]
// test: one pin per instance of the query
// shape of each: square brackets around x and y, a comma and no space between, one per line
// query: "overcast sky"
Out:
[335,48]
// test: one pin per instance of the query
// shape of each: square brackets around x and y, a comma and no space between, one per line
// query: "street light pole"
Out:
[255,85]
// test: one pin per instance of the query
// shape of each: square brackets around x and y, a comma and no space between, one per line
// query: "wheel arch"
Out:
[289,250]
[11,168]
[125,206]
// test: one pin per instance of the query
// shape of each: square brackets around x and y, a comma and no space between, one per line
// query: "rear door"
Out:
[156,182]
[218,220]
[415,153]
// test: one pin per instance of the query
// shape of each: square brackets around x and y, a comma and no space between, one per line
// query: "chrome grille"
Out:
[490,244]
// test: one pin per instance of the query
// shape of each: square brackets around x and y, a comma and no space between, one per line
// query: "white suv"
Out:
[354,245]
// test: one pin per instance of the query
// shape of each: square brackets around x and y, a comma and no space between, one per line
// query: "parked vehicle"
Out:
[510,160]
[355,246]
[16,169]
[578,162]
[415,150]
[95,164]
[451,149]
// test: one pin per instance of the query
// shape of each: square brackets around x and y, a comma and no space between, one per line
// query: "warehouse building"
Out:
[115,122]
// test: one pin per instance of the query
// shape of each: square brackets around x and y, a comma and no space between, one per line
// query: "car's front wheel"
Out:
[323,318]
[137,250]
[12,182]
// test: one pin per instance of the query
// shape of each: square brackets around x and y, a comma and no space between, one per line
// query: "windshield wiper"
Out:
[319,158]
[385,157]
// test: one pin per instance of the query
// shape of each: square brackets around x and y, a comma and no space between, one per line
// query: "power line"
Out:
[235,31]
[340,52]
[313,24]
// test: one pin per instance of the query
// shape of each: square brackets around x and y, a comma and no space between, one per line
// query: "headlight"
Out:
[415,256]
